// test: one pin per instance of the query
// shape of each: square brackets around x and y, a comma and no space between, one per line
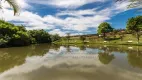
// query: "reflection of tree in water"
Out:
[82,47]
[67,48]
[114,49]
[38,50]
[105,57]
[135,58]
[111,48]
[55,47]
[10,57]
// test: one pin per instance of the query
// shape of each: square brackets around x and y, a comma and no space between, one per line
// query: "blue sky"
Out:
[69,16]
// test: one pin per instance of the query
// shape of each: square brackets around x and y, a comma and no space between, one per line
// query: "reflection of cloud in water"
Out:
[56,65]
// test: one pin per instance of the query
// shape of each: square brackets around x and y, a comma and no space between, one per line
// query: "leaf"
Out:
[14,5]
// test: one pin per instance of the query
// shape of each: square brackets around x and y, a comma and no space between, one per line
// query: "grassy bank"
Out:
[127,40]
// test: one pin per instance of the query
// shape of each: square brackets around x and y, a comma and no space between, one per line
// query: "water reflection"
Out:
[105,57]
[135,58]
[10,57]
[54,62]
[82,47]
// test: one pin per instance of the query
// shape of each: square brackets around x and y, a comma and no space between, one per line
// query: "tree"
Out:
[13,4]
[134,25]
[20,39]
[68,37]
[114,33]
[104,28]
[11,35]
[83,38]
[121,34]
[133,4]
[55,37]
[40,36]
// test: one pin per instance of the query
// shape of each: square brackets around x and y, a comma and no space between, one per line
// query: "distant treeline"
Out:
[12,35]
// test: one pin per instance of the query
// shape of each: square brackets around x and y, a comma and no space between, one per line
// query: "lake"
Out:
[74,62]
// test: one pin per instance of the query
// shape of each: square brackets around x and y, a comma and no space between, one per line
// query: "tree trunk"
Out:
[138,37]
[68,41]
[121,38]
[104,35]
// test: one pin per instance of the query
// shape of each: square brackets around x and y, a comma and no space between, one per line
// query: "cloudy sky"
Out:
[69,16]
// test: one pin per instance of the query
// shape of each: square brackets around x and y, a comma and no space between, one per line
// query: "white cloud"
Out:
[31,20]
[23,4]
[78,13]
[76,23]
[121,6]
[65,3]
[54,20]
[58,31]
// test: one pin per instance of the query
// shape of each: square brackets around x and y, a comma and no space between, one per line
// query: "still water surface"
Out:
[54,62]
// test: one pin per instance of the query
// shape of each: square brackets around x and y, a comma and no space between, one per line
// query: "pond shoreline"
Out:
[59,43]
[128,44]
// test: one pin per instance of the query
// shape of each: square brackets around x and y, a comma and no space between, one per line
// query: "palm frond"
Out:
[0,4]
[14,5]
[133,4]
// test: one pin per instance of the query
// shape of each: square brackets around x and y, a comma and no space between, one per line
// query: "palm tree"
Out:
[13,4]
[134,3]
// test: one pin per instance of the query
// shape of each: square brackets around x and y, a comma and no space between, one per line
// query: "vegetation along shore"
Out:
[106,34]
[12,35]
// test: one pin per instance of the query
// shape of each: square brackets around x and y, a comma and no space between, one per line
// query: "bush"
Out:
[55,37]
[11,35]
[40,36]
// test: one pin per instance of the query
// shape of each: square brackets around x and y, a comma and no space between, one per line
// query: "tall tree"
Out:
[55,37]
[13,4]
[134,25]
[68,37]
[114,33]
[40,36]
[83,38]
[104,28]
[121,35]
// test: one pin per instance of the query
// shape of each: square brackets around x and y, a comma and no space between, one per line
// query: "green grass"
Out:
[117,41]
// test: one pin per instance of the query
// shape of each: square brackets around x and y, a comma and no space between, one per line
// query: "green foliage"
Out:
[68,37]
[20,39]
[105,58]
[134,25]
[104,28]
[11,35]
[55,37]
[83,38]
[40,36]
